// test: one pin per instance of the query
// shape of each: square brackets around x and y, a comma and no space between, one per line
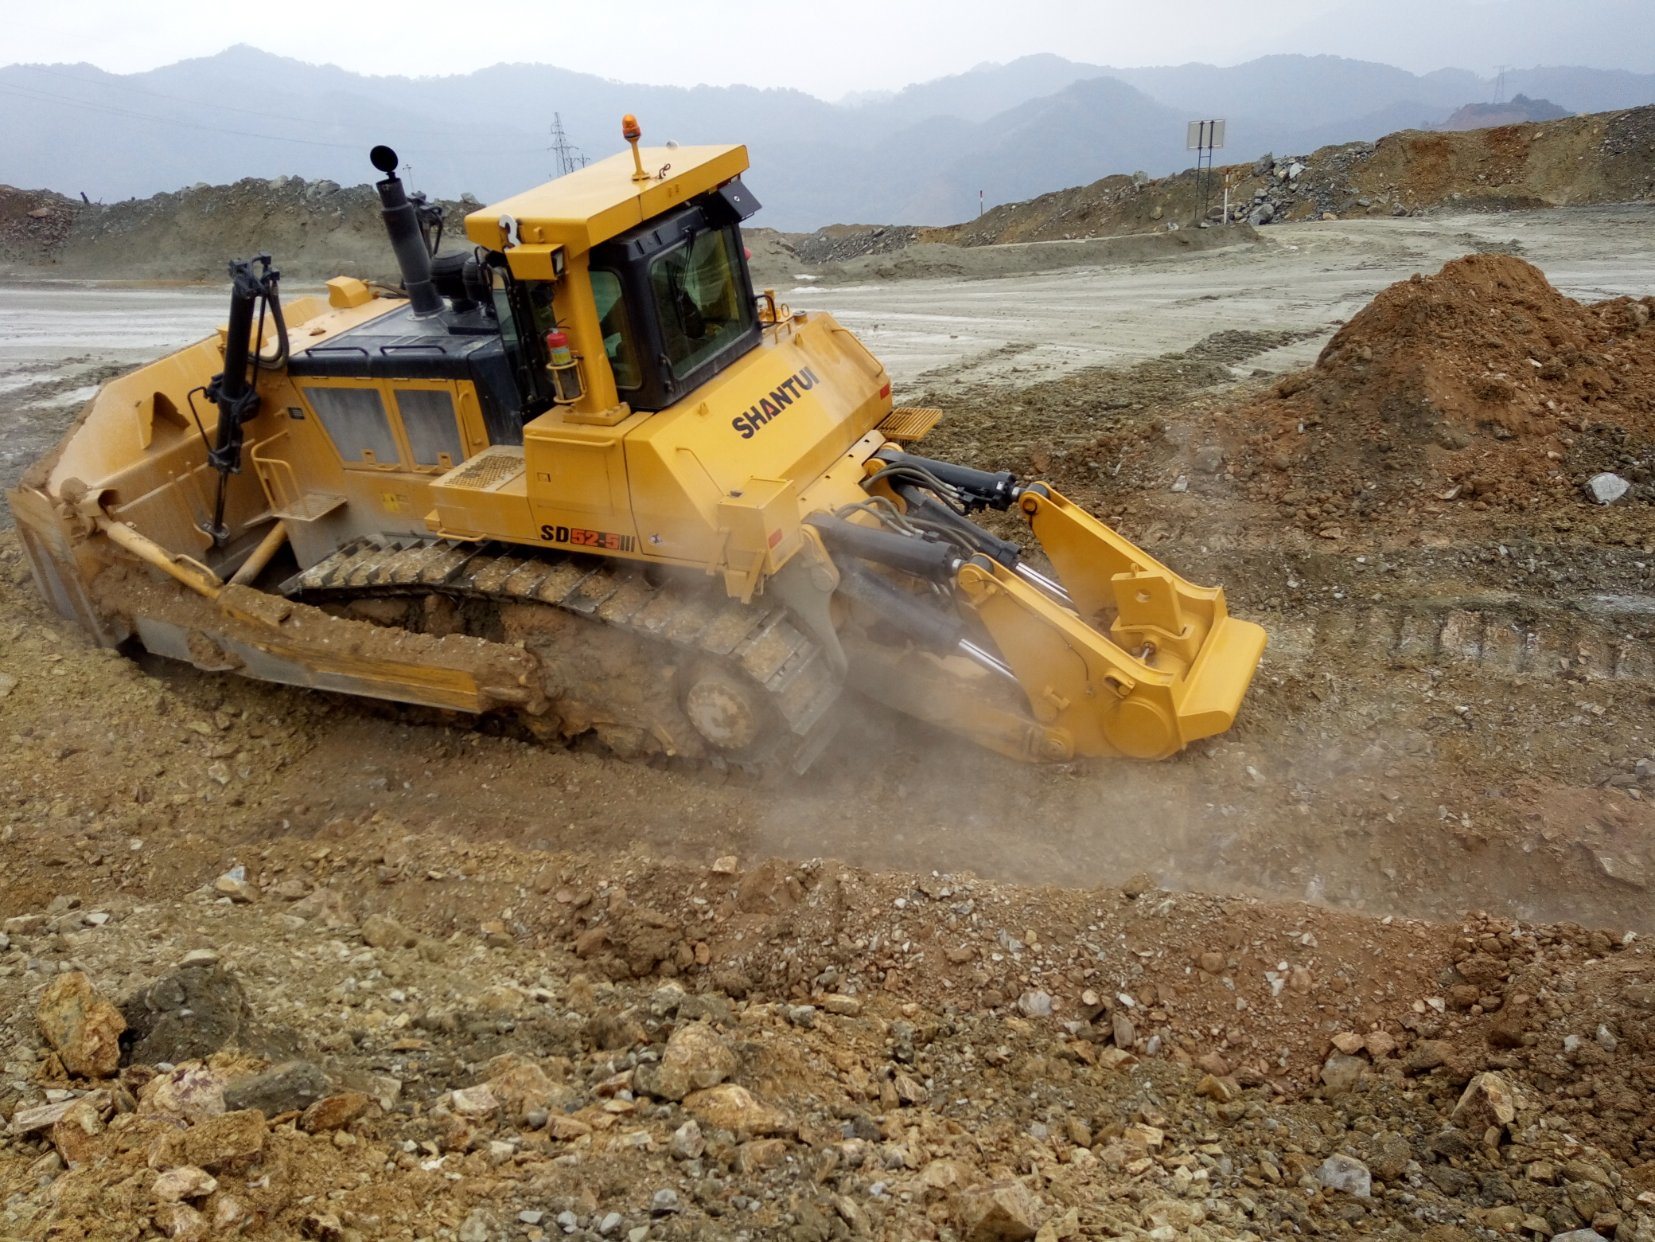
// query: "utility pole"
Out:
[1500,83]
[569,156]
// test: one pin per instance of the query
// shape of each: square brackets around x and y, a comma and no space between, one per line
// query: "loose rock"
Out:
[1002,1211]
[82,1027]
[1488,1101]
[1347,1174]
[291,1086]
[182,1183]
[696,1058]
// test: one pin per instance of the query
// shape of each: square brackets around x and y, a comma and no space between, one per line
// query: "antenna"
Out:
[1500,83]
[569,156]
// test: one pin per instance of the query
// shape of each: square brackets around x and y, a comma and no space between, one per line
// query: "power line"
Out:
[115,81]
[170,120]
[218,129]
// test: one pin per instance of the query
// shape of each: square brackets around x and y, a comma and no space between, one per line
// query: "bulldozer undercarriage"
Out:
[647,669]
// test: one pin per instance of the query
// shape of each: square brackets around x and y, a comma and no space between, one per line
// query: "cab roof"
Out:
[587,207]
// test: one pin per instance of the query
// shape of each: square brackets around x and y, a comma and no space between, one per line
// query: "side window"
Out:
[616,329]
[516,321]
[432,428]
[539,296]
[355,421]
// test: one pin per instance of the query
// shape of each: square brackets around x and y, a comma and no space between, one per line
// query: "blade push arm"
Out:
[1109,653]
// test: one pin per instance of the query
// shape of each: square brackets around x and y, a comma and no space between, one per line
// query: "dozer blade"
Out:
[1126,658]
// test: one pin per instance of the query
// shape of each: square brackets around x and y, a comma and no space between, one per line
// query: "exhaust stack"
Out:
[402,224]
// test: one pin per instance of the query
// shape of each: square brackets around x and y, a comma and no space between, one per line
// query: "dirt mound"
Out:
[1481,384]
[34,224]
[835,243]
[1516,111]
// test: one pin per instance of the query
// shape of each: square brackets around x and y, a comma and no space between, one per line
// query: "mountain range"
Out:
[918,156]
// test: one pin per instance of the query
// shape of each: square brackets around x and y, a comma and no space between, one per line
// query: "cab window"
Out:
[616,330]
[698,299]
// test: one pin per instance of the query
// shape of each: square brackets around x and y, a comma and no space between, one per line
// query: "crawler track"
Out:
[618,654]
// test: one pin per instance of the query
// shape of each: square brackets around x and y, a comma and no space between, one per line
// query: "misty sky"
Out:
[826,49]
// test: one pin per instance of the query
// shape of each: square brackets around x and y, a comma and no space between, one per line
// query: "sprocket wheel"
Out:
[726,710]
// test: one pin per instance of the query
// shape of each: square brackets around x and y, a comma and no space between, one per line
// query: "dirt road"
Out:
[1024,327]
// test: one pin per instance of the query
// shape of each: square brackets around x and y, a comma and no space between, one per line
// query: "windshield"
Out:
[698,298]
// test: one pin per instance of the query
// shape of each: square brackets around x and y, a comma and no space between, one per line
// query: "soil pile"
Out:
[33,224]
[1515,111]
[1481,385]
[315,230]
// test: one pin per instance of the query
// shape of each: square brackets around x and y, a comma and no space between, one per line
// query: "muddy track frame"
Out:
[640,649]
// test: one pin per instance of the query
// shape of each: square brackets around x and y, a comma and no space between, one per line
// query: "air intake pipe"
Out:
[402,224]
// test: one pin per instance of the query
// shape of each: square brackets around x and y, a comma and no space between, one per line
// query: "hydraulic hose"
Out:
[235,389]
[924,558]
[979,489]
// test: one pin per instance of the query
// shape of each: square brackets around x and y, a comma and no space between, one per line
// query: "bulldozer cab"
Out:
[642,273]
[674,302]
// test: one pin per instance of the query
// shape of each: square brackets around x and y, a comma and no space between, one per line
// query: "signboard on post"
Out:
[1206,136]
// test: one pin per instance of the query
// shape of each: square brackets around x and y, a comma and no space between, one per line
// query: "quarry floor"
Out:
[1373,793]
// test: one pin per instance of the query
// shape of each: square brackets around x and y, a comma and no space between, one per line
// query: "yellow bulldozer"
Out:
[583,476]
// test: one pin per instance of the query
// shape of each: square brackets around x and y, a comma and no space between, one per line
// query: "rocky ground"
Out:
[374,1034]
[1598,158]
[1375,963]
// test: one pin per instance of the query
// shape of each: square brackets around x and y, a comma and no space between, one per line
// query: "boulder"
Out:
[184,1182]
[189,1093]
[729,1107]
[1001,1211]
[1341,1072]
[82,1027]
[379,932]
[1487,1102]
[334,1112]
[1208,459]
[75,1134]
[181,1222]
[225,1141]
[687,1142]
[474,1103]
[757,1155]
[695,1059]
[1606,488]
[289,1087]
[39,1117]
[187,1015]
[1347,1174]
[520,1087]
